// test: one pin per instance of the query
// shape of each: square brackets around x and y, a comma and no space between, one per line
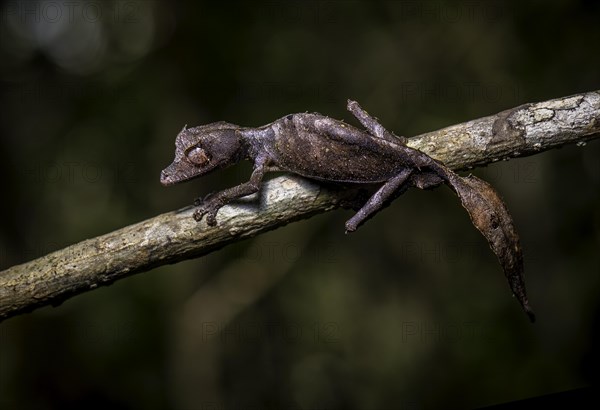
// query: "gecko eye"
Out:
[197,156]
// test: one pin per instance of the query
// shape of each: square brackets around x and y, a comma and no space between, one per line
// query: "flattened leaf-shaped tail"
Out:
[491,217]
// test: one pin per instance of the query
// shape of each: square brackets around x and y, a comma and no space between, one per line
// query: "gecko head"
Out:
[200,150]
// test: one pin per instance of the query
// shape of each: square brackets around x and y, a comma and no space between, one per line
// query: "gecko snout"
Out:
[165,177]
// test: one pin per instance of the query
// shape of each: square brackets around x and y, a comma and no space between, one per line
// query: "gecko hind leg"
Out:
[378,200]
[372,124]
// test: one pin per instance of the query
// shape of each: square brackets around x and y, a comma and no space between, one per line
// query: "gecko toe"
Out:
[350,227]
[211,219]
[198,214]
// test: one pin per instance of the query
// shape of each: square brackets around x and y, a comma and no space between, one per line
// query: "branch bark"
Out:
[176,236]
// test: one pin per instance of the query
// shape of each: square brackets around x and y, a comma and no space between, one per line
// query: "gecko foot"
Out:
[211,216]
[208,208]
[350,226]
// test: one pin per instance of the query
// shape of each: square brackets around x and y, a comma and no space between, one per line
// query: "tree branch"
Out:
[176,236]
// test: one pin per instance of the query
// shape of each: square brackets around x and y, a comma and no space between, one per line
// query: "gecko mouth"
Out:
[166,178]
[171,175]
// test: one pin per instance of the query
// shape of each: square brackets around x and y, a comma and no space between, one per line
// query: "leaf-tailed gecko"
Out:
[325,149]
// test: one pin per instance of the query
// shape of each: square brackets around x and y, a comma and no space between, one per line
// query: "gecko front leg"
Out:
[211,205]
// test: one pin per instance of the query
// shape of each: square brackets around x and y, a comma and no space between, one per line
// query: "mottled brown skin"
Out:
[325,149]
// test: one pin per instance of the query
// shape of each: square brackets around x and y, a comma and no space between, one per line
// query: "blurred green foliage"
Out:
[410,312]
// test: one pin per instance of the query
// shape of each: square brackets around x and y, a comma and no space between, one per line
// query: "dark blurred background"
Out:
[410,312]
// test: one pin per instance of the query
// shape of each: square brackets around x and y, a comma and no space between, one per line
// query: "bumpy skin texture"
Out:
[325,149]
